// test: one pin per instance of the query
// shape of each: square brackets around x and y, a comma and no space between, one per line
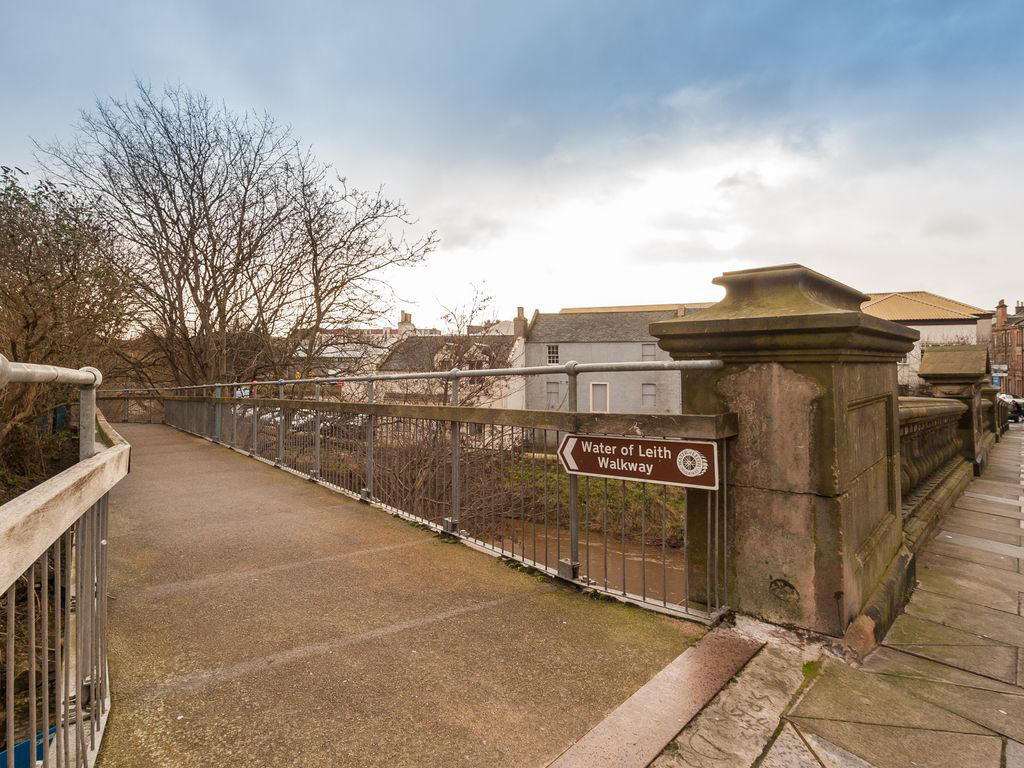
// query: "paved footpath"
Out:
[945,689]
[257,619]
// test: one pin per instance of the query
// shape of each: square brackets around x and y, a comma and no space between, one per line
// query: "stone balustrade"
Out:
[928,438]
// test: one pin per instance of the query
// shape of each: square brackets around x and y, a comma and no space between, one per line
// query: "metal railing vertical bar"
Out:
[12,594]
[498,485]
[44,609]
[31,610]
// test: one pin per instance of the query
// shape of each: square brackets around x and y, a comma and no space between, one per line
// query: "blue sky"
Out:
[578,153]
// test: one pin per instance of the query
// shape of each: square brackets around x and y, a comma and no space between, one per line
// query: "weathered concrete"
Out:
[815,480]
[732,731]
[257,619]
[638,730]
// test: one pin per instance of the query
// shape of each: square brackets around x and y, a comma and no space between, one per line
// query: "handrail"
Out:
[571,368]
[88,379]
[53,553]
[30,522]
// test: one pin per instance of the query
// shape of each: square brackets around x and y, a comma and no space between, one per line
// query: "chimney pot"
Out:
[1000,320]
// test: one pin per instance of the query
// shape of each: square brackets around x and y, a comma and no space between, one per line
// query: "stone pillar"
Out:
[961,372]
[814,484]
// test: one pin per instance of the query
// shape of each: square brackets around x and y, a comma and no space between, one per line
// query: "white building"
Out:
[604,335]
[941,322]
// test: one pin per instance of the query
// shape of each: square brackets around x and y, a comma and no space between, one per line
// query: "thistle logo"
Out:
[691,463]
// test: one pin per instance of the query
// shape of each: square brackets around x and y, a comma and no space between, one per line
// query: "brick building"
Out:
[1008,347]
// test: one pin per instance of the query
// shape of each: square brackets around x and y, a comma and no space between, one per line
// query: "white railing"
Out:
[53,577]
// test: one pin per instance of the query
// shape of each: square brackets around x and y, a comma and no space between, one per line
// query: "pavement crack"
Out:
[175,587]
[263,663]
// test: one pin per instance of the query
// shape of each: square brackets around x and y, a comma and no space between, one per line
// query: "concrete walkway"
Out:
[945,689]
[259,620]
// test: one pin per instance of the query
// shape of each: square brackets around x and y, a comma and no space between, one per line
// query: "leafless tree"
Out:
[61,303]
[242,246]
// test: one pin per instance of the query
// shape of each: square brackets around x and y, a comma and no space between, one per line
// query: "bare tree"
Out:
[241,245]
[62,302]
[471,341]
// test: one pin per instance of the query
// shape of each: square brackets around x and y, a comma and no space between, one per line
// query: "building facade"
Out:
[1008,349]
[603,335]
[939,320]
[431,354]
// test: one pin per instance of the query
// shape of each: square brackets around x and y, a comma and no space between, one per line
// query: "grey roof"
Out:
[417,353]
[572,327]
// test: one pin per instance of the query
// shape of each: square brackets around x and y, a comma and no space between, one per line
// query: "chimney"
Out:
[1019,309]
[1000,314]
[519,324]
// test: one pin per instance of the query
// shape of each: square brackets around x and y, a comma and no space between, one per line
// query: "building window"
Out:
[648,352]
[648,395]
[552,353]
[599,397]
[553,400]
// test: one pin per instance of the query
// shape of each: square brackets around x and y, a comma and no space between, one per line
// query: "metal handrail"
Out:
[53,556]
[570,368]
[88,379]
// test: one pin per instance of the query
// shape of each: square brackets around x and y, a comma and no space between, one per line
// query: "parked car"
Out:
[1015,405]
[1017,410]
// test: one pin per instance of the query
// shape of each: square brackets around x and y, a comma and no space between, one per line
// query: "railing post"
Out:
[87,415]
[218,415]
[368,490]
[570,569]
[280,425]
[255,420]
[318,396]
[451,524]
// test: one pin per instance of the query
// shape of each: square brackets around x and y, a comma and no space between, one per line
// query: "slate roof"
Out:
[908,306]
[417,353]
[682,308]
[581,327]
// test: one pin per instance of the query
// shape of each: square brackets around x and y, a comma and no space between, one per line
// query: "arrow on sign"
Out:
[566,451]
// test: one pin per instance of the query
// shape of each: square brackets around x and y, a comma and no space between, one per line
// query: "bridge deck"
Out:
[257,619]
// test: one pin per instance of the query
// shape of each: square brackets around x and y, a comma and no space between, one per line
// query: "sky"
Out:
[588,152]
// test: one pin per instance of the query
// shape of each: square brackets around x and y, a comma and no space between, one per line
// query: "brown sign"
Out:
[690,463]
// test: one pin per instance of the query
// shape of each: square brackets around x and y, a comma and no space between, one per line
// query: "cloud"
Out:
[474,231]
[955,225]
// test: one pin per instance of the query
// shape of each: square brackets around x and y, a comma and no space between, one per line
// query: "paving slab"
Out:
[893,662]
[984,573]
[892,747]
[969,617]
[640,728]
[789,751]
[954,647]
[830,755]
[984,544]
[1012,537]
[951,548]
[996,488]
[984,503]
[1014,754]
[999,712]
[735,727]
[950,584]
[986,519]
[843,693]
[260,620]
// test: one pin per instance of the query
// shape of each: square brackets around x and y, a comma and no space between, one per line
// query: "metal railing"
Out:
[490,476]
[53,576]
